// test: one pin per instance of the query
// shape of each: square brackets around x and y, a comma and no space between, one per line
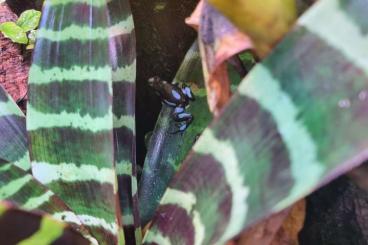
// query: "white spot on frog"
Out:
[344,103]
[175,94]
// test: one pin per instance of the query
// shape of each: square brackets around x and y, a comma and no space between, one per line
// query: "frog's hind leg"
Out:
[184,120]
[181,127]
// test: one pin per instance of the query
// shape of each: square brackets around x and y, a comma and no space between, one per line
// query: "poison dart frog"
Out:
[176,97]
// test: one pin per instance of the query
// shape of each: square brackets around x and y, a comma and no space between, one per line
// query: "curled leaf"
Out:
[219,40]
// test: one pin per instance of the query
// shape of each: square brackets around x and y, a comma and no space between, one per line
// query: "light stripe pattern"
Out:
[35,228]
[297,119]
[22,189]
[123,54]
[72,134]
[13,143]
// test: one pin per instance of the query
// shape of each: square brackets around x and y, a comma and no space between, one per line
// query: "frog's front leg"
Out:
[187,91]
[180,115]
[183,118]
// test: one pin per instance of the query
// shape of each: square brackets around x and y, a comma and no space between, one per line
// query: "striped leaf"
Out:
[24,228]
[70,120]
[19,187]
[123,60]
[297,121]
[13,135]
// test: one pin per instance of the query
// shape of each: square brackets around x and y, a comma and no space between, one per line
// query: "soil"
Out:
[14,66]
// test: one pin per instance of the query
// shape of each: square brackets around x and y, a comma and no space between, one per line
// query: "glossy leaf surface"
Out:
[14,32]
[25,228]
[123,60]
[13,135]
[297,121]
[29,20]
[69,114]
[20,188]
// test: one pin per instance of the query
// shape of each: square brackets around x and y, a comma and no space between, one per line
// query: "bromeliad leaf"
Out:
[298,120]
[123,60]
[19,187]
[69,114]
[14,32]
[27,228]
[29,20]
[13,135]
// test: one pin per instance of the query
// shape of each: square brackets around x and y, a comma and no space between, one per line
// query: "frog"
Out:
[177,97]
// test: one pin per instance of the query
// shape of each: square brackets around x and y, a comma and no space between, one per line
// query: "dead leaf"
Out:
[279,229]
[219,40]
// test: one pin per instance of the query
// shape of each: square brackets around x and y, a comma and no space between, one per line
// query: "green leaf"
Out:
[14,32]
[71,135]
[21,188]
[13,134]
[123,52]
[44,229]
[297,121]
[29,19]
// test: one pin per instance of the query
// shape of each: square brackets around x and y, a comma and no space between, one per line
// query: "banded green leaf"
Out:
[13,135]
[123,59]
[297,121]
[19,187]
[26,228]
[70,119]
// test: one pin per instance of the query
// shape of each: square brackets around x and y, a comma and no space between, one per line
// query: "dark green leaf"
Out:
[22,227]
[298,120]
[13,135]
[69,114]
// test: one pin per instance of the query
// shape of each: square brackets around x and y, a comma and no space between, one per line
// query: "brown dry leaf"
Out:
[292,225]
[279,229]
[219,40]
